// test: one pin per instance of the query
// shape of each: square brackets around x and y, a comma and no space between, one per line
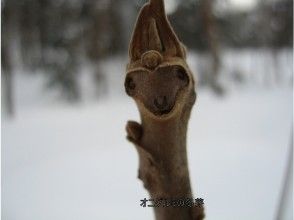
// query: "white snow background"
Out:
[72,162]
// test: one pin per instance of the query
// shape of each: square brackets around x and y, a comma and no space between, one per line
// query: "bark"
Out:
[163,164]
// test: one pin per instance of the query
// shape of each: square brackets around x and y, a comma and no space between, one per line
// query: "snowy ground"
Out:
[67,162]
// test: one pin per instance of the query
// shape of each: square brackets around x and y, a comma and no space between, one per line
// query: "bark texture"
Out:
[162,85]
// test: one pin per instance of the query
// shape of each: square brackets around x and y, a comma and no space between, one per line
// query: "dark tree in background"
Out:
[58,38]
[211,37]
[268,25]
[6,62]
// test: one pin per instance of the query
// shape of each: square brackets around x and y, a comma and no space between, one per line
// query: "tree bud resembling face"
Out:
[157,90]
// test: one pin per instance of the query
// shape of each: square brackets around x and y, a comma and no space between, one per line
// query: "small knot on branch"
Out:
[151,59]
[134,131]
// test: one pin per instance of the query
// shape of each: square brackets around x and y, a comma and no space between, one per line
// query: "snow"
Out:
[63,161]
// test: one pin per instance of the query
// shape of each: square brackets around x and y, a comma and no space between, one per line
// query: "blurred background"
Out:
[64,109]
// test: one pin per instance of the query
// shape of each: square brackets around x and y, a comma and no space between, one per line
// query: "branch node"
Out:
[134,132]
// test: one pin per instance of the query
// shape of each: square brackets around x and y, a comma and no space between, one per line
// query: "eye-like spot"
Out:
[129,85]
[182,75]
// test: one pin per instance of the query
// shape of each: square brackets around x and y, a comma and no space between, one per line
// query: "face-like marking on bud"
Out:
[130,85]
[157,90]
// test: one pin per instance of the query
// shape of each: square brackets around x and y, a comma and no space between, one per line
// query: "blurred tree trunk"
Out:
[211,36]
[7,79]
[100,81]
[29,34]
[6,62]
